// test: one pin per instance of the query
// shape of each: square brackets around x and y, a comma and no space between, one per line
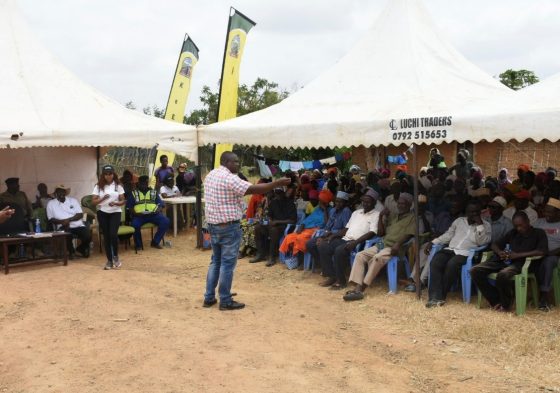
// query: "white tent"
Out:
[402,83]
[44,104]
[403,69]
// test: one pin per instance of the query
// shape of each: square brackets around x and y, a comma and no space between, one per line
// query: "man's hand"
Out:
[503,255]
[350,245]
[105,197]
[429,248]
[385,212]
[285,181]
[6,213]
[299,229]
[395,249]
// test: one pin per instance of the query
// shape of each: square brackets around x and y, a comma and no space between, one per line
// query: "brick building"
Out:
[490,156]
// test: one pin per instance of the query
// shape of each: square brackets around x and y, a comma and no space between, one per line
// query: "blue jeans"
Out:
[225,247]
[158,219]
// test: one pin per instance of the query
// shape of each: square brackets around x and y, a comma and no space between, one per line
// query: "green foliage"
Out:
[518,79]
[260,95]
[154,110]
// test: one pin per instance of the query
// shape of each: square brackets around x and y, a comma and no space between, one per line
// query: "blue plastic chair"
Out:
[466,282]
[362,246]
[308,262]
[393,267]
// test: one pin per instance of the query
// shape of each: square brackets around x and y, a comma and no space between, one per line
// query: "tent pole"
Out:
[199,199]
[417,223]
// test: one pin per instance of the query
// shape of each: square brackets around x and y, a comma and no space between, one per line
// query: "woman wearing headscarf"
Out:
[503,178]
[295,242]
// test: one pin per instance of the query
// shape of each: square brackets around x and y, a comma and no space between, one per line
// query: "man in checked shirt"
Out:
[223,193]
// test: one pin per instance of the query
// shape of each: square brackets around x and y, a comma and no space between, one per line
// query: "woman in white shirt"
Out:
[108,196]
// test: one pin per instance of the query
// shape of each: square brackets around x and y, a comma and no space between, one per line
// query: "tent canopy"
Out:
[44,104]
[401,83]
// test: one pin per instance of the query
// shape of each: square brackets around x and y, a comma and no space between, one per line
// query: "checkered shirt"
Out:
[223,194]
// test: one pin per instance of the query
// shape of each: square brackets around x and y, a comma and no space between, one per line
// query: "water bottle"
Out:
[507,250]
[37,226]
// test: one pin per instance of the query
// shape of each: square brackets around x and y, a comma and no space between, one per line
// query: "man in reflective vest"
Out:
[146,206]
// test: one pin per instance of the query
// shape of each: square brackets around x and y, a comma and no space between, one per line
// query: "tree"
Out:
[260,95]
[518,79]
[154,110]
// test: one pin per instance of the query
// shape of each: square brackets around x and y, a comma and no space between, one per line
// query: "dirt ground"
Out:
[142,329]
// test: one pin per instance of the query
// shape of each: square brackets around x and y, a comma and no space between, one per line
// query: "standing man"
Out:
[13,196]
[223,192]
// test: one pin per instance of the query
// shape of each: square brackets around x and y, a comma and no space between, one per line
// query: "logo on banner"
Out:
[421,129]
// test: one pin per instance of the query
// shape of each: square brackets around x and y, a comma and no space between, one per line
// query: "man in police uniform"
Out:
[146,207]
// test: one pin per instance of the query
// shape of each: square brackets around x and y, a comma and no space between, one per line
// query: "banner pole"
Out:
[198,205]
[416,223]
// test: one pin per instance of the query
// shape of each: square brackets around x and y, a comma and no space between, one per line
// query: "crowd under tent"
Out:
[51,123]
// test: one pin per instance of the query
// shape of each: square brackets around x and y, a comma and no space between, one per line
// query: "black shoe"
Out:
[155,245]
[84,252]
[271,262]
[257,258]
[233,305]
[544,307]
[209,303]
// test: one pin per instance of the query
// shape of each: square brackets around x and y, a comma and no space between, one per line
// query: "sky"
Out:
[128,49]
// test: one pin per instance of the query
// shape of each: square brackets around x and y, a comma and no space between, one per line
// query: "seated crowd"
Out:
[327,217]
[113,201]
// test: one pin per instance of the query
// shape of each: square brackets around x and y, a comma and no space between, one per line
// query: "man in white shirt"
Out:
[465,233]
[65,213]
[335,249]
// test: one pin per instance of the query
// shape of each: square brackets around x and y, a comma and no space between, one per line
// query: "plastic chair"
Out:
[124,230]
[466,281]
[91,217]
[393,266]
[556,285]
[308,262]
[521,281]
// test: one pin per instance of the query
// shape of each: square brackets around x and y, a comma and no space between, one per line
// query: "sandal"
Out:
[354,295]
[328,282]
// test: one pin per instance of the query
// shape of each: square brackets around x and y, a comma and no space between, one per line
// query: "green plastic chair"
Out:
[556,285]
[124,230]
[41,214]
[521,281]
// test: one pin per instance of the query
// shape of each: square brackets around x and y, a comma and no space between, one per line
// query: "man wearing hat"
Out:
[66,213]
[13,196]
[551,225]
[335,249]
[400,229]
[521,203]
[145,206]
[338,218]
[500,224]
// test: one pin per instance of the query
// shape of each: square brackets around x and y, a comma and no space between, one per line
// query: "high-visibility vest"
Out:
[145,202]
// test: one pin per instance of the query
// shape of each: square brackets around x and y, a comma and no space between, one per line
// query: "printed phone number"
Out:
[408,135]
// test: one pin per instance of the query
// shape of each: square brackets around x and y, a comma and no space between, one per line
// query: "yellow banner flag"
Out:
[180,88]
[238,28]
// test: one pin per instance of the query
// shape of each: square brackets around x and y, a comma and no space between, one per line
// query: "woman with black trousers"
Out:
[108,196]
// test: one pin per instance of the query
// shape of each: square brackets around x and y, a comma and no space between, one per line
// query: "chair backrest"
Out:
[300,216]
[41,214]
